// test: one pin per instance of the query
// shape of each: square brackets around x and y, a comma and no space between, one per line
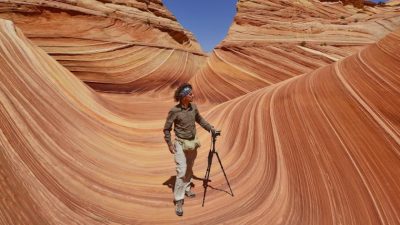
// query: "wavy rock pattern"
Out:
[393,2]
[274,40]
[319,148]
[114,46]
[328,143]
[134,46]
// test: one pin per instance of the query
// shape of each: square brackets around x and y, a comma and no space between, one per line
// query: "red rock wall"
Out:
[114,46]
[355,3]
[310,132]
[274,40]
[319,148]
[134,46]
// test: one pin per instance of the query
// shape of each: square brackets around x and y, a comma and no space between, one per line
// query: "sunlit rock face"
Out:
[327,142]
[274,40]
[318,148]
[114,46]
[393,2]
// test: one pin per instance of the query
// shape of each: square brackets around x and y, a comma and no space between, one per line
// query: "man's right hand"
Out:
[171,149]
[213,130]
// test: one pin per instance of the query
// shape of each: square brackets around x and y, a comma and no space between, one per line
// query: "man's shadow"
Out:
[170,183]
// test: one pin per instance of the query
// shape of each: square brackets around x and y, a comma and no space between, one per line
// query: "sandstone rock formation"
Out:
[119,46]
[274,40]
[310,134]
[114,46]
[320,148]
[393,3]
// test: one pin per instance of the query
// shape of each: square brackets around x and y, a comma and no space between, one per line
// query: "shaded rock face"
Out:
[111,45]
[355,3]
[274,40]
[320,148]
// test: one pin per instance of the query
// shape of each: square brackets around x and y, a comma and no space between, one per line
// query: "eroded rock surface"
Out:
[274,40]
[317,145]
[114,46]
[319,148]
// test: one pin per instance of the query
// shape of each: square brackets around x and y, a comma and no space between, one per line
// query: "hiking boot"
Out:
[179,207]
[190,194]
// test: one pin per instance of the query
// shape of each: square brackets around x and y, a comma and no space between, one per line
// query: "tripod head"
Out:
[215,133]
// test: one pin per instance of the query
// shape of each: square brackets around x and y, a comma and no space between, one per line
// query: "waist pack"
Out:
[189,144]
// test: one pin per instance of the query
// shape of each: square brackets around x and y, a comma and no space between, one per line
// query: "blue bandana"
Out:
[185,92]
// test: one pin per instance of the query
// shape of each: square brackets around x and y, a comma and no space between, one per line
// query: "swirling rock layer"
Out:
[114,46]
[320,148]
[319,144]
[138,46]
[274,40]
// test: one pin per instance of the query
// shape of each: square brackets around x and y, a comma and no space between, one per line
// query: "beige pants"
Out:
[184,170]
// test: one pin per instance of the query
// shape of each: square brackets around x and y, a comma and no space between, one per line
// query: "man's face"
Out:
[189,97]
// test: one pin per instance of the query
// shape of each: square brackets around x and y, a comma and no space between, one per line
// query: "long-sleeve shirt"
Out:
[184,122]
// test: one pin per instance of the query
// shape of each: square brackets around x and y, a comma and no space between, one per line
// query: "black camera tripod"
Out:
[214,136]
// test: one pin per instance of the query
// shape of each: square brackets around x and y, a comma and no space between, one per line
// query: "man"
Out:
[183,116]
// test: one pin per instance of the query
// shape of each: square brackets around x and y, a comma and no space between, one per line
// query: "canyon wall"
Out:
[114,46]
[274,40]
[306,94]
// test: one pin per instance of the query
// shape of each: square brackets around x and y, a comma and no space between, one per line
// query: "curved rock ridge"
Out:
[274,40]
[319,148]
[138,46]
[114,46]
[66,158]
[393,3]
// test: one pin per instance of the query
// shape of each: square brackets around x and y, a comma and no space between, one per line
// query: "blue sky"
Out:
[208,20]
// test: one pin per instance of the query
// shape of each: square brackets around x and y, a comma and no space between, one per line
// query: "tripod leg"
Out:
[207,175]
[226,178]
